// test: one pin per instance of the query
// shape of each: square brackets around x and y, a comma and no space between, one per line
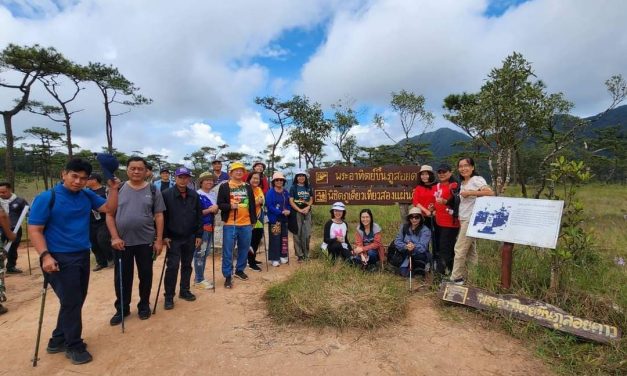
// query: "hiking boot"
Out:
[258,262]
[169,303]
[459,281]
[99,267]
[117,318]
[3,309]
[255,267]
[55,345]
[187,295]
[241,275]
[13,270]
[78,356]
[144,313]
[228,283]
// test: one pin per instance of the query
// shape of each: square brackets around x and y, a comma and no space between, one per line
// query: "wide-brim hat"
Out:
[235,165]
[205,176]
[413,211]
[278,176]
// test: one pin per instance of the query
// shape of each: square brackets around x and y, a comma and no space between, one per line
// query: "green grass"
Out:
[337,295]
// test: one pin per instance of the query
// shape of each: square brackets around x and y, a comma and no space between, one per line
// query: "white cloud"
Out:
[199,134]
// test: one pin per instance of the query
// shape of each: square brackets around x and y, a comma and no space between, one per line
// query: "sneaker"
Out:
[14,270]
[284,260]
[117,318]
[255,267]
[258,262]
[77,356]
[99,267]
[228,283]
[168,304]
[459,281]
[55,345]
[203,285]
[275,263]
[3,309]
[144,314]
[299,260]
[241,275]
[187,295]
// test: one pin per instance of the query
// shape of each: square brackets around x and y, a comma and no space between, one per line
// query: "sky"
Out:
[204,62]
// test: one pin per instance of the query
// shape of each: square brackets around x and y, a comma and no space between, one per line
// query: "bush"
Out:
[324,294]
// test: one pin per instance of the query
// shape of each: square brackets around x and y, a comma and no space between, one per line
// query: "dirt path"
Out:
[229,333]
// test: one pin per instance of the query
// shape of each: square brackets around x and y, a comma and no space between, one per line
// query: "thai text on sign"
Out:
[362,195]
[366,176]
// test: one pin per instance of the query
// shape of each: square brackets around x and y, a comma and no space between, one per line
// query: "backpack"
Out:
[396,256]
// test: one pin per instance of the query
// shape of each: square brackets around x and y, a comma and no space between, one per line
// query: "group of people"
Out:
[129,224]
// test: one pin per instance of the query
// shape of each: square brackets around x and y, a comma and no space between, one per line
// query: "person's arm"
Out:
[112,198]
[5,223]
[399,241]
[271,205]
[159,222]
[327,233]
[424,237]
[224,201]
[37,238]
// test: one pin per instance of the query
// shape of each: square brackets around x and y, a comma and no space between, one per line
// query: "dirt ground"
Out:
[230,333]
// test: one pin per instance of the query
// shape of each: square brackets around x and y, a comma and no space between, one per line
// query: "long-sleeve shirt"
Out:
[183,215]
[421,241]
[275,204]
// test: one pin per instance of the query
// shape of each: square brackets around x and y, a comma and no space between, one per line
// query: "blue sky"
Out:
[203,63]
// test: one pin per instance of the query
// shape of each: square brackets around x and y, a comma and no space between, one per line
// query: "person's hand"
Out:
[340,239]
[467,193]
[167,241]
[286,212]
[157,247]
[49,264]
[358,250]
[410,246]
[117,244]
[113,183]
[198,242]
[10,235]
[306,210]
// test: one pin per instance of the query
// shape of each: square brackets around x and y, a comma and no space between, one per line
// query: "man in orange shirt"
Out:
[237,206]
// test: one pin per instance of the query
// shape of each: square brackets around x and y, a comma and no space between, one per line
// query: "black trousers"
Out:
[100,240]
[445,244]
[142,255]
[12,253]
[255,240]
[181,253]
[70,284]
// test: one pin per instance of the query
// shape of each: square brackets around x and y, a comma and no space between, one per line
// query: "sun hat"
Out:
[278,176]
[426,168]
[338,206]
[205,176]
[415,211]
[235,165]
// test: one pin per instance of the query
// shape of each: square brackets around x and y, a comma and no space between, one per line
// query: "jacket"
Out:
[275,204]
[183,216]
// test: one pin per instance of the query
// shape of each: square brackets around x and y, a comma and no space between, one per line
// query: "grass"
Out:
[337,295]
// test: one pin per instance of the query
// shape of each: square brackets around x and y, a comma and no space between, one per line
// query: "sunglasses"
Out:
[414,217]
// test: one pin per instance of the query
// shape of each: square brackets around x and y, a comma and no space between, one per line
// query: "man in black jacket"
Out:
[98,233]
[182,235]
[13,206]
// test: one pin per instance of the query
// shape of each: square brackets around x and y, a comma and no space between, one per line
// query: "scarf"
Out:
[5,203]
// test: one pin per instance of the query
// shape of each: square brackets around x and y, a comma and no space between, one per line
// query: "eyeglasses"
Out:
[414,217]
[442,172]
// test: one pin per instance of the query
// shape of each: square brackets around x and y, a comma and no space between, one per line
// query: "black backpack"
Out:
[395,256]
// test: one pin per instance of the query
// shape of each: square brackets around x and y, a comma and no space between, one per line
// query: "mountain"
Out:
[614,117]
[441,142]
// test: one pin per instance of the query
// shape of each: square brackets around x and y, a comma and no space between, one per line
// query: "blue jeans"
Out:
[373,257]
[200,256]
[231,235]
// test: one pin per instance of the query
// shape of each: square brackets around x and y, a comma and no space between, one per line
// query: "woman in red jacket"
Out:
[423,197]
[446,220]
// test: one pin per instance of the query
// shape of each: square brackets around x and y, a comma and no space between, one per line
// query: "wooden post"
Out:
[506,265]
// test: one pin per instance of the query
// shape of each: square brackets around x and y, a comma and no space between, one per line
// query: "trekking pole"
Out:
[410,268]
[432,243]
[121,291]
[41,320]
[265,249]
[154,308]
[213,262]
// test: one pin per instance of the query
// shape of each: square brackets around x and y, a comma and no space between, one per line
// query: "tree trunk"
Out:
[521,175]
[403,210]
[9,169]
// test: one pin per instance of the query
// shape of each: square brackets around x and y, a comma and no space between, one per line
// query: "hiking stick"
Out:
[432,244]
[41,319]
[213,262]
[30,270]
[121,291]
[410,268]
[265,249]
[165,258]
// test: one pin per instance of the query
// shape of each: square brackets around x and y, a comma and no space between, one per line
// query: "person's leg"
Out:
[95,248]
[70,285]
[173,261]
[448,237]
[244,235]
[104,243]
[228,242]
[373,256]
[462,246]
[257,233]
[306,234]
[298,237]
[274,243]
[12,253]
[187,257]
[128,273]
[200,258]
[143,259]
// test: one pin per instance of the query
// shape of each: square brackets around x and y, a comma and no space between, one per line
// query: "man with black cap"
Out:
[165,182]
[182,235]
[98,232]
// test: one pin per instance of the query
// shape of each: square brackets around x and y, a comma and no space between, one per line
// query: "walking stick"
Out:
[410,268]
[41,319]
[432,243]
[213,262]
[30,270]
[121,291]
[154,308]
[265,249]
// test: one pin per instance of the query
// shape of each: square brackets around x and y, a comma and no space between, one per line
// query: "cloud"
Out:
[440,47]
[199,134]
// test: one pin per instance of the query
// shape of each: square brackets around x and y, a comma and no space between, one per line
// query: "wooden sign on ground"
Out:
[529,310]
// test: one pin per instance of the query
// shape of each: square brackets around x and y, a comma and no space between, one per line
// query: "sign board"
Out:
[365,176]
[516,220]
[362,195]
[526,309]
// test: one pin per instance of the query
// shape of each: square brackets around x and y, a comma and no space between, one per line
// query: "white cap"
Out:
[338,206]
